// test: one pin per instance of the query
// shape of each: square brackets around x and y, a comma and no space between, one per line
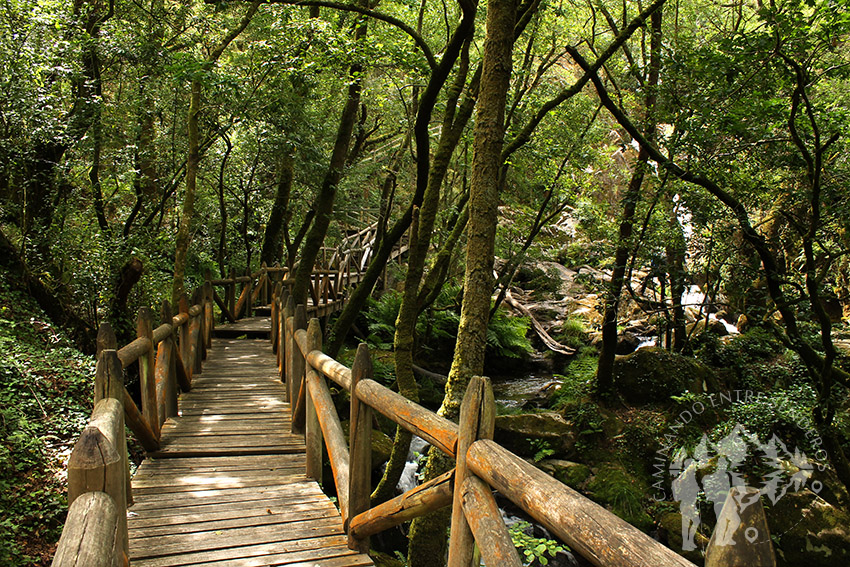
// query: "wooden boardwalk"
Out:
[228,486]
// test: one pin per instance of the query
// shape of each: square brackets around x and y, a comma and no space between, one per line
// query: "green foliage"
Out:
[573,333]
[542,449]
[579,378]
[533,548]
[437,327]
[622,492]
[506,335]
[45,392]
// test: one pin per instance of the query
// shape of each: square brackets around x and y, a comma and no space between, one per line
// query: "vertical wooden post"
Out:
[198,299]
[249,296]
[299,321]
[286,345]
[313,431]
[732,542]
[360,460]
[185,347]
[166,369]
[280,345]
[230,294]
[109,383]
[209,318]
[146,371]
[276,319]
[99,461]
[196,340]
[264,277]
[477,421]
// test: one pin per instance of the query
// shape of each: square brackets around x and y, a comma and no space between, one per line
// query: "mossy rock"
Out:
[515,430]
[670,533]
[570,473]
[382,445]
[654,374]
[808,530]
[714,327]
[381,559]
[622,493]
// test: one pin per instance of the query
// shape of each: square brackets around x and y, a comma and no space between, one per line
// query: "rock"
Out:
[808,530]
[621,492]
[654,374]
[743,323]
[627,343]
[714,327]
[570,473]
[383,560]
[515,430]
[670,534]
[382,445]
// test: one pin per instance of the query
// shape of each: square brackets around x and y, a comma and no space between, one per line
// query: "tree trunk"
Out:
[675,252]
[273,238]
[183,230]
[428,534]
[605,367]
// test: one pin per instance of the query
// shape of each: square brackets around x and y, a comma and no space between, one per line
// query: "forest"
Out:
[632,216]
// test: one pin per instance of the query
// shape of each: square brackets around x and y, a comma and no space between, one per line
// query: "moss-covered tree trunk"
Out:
[273,236]
[428,534]
[181,249]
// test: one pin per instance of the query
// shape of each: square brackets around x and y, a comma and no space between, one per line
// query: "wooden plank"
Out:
[228,486]
[304,550]
[158,515]
[224,495]
[234,537]
[144,527]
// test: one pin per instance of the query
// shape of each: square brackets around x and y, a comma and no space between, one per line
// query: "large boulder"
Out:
[808,530]
[515,430]
[654,374]
[570,473]
[670,534]
[382,445]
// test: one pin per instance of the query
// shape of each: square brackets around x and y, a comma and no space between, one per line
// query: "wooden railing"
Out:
[99,491]
[481,465]
[168,356]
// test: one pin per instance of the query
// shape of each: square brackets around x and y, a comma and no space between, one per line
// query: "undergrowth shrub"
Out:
[437,326]
[45,400]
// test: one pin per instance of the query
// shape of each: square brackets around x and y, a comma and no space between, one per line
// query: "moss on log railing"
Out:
[481,465]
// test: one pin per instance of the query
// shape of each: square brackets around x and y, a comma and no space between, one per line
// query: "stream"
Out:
[510,392]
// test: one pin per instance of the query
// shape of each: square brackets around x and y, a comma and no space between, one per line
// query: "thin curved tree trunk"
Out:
[605,366]
[193,159]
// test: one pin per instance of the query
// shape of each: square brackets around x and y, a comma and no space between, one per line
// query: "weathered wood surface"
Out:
[91,538]
[228,485]
[589,529]
[245,326]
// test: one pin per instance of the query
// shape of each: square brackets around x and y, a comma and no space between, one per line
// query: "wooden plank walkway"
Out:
[228,485]
[253,326]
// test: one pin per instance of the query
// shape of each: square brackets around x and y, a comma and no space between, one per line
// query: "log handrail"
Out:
[481,464]
[95,532]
